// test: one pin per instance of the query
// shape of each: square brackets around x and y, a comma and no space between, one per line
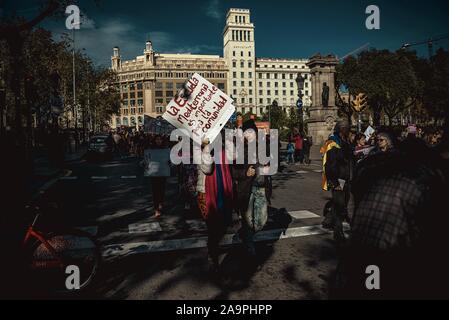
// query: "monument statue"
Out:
[325,95]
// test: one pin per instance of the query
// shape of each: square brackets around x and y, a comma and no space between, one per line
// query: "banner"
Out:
[204,113]
[157,162]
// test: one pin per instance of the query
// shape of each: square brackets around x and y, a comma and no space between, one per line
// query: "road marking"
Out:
[99,178]
[303,214]
[92,230]
[300,171]
[144,227]
[196,225]
[116,215]
[126,249]
[68,178]
[318,171]
[129,177]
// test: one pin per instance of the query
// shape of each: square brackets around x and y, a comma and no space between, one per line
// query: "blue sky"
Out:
[284,28]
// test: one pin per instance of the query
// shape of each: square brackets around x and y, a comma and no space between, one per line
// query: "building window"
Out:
[234,74]
[250,74]
[275,75]
[284,85]
[250,83]
[276,92]
[250,64]
[250,91]
[233,53]
[234,92]
[306,76]
[236,19]
[179,85]
[307,92]
[260,76]
[243,100]
[234,83]
[292,92]
[291,76]
[296,67]
[169,85]
[261,101]
[260,110]
[158,94]
[288,67]
[169,93]
[302,67]
[284,92]
[243,19]
[241,52]
[250,100]
[268,92]
[260,92]
[117,121]
[132,95]
[221,86]
[268,84]
[139,94]
[292,85]
[159,109]
[249,52]
[242,64]
[242,75]
[268,76]
[276,84]
[140,102]
[242,83]
[306,85]
[283,76]
[269,100]
[234,64]
[139,85]
[261,84]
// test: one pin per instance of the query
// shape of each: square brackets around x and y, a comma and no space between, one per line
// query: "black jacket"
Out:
[339,164]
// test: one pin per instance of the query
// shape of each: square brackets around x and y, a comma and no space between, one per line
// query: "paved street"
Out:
[166,258]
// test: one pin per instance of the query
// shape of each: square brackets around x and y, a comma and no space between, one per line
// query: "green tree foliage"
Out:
[387,78]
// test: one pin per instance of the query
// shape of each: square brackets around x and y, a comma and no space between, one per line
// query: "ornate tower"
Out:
[239,54]
[116,59]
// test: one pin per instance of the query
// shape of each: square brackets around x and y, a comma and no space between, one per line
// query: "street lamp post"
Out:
[299,103]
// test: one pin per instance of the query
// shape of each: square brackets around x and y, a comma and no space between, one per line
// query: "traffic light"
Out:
[360,102]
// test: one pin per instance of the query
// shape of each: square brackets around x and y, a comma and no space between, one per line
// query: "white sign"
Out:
[157,162]
[368,132]
[204,113]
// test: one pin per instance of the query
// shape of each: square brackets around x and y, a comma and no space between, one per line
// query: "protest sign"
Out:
[368,132]
[157,162]
[204,113]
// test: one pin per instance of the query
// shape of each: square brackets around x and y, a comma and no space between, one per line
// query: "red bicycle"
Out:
[50,254]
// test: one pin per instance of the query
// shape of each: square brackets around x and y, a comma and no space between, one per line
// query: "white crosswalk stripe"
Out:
[117,250]
[99,178]
[68,178]
[303,214]
[129,177]
[144,227]
[302,172]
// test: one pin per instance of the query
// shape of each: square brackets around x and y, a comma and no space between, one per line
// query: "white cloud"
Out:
[99,40]
[213,10]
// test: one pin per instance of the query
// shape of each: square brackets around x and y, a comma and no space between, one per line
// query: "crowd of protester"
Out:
[398,180]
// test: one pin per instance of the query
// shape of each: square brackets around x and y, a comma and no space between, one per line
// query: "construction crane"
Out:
[430,42]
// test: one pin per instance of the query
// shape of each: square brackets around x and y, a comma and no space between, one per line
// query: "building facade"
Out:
[150,81]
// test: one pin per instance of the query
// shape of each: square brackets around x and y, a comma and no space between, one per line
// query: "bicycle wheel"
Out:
[74,248]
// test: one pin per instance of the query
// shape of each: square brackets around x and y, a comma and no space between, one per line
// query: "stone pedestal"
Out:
[322,119]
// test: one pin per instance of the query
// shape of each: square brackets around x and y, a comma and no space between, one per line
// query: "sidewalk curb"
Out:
[48,184]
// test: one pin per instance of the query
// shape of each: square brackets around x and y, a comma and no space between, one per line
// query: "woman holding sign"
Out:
[157,168]
[214,200]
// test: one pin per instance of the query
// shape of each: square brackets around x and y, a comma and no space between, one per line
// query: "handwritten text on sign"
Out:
[204,113]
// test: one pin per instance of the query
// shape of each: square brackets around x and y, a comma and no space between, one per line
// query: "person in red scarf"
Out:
[214,200]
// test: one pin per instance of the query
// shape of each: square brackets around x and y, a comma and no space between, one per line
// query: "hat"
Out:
[342,123]
[249,124]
